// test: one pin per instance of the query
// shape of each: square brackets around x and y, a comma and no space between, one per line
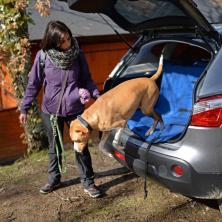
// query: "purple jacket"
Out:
[78,77]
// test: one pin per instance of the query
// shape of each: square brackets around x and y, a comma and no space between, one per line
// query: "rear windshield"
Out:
[139,11]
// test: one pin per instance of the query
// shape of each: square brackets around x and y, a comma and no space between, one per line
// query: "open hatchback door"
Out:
[140,15]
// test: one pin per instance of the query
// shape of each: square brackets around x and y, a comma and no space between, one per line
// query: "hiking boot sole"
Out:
[92,195]
[53,188]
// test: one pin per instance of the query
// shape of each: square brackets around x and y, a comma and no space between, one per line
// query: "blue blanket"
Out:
[174,103]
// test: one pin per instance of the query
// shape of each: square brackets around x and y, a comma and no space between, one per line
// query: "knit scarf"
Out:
[64,59]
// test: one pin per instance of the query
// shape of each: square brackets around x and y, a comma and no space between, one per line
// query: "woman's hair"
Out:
[54,34]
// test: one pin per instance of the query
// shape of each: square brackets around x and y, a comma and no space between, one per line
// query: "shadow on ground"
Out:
[126,175]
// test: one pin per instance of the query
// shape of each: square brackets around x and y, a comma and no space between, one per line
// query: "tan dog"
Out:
[115,107]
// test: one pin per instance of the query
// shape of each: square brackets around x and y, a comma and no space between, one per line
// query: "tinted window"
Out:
[139,11]
[212,10]
[212,84]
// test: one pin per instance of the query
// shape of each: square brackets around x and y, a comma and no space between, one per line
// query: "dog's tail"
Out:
[159,70]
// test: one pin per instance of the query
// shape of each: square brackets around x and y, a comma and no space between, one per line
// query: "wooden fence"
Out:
[102,54]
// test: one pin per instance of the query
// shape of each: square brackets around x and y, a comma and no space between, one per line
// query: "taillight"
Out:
[208,112]
[119,155]
[177,170]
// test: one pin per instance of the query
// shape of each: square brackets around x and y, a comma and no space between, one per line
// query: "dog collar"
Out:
[84,123]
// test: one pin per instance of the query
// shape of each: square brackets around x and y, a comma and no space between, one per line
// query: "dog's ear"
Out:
[79,127]
[76,126]
[71,129]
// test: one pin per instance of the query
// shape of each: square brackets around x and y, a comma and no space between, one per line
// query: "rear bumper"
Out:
[133,154]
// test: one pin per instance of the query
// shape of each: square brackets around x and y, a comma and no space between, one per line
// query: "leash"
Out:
[56,130]
[146,172]
[146,167]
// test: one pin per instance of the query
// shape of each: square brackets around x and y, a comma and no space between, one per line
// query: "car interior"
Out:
[183,65]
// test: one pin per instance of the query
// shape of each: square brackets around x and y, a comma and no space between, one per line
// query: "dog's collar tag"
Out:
[84,123]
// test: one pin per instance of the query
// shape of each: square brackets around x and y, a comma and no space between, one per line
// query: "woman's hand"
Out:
[23,118]
[84,95]
[96,94]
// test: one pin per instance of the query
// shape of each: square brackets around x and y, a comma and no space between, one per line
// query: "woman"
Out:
[63,57]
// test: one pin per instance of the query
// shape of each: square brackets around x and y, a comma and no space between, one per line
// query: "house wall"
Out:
[7,98]
[102,55]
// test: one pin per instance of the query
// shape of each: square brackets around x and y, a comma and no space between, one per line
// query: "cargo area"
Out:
[182,67]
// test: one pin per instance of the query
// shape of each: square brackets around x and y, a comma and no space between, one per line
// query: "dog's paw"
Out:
[162,126]
[149,132]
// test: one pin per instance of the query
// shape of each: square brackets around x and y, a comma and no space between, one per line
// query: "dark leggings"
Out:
[83,160]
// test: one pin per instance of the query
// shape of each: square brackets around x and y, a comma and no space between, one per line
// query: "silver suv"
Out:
[186,156]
